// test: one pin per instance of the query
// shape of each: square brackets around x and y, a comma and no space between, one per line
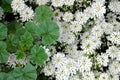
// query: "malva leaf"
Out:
[49,31]
[26,40]
[12,43]
[27,73]
[3,31]
[43,13]
[19,32]
[13,26]
[6,76]
[3,56]
[31,27]
[3,53]
[3,46]
[38,55]
[20,54]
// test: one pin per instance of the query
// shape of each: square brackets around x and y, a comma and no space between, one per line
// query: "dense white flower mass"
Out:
[115,6]
[88,47]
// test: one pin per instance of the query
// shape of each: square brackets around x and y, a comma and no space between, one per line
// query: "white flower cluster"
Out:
[19,6]
[1,13]
[14,62]
[90,42]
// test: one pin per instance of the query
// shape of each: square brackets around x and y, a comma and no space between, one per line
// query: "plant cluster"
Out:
[59,40]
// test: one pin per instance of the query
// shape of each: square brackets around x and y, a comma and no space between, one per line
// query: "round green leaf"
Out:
[49,31]
[26,73]
[3,46]
[12,43]
[38,55]
[3,56]
[43,13]
[26,40]
[20,54]
[3,31]
[31,27]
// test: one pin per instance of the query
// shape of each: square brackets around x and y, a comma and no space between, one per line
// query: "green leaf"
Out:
[43,13]
[3,56]
[20,54]
[20,32]
[5,76]
[3,53]
[3,31]
[13,26]
[3,46]
[38,55]
[31,27]
[26,73]
[12,43]
[26,40]
[49,32]
[6,5]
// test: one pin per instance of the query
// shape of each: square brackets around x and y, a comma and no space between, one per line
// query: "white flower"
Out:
[49,69]
[97,31]
[89,12]
[116,26]
[58,60]
[113,76]
[70,65]
[18,5]
[67,16]
[41,2]
[84,64]
[27,14]
[74,77]
[1,13]
[62,74]
[114,6]
[12,60]
[69,2]
[88,46]
[114,37]
[98,9]
[71,49]
[96,41]
[57,3]
[57,15]
[85,36]
[108,28]
[67,37]
[103,76]
[103,59]
[88,76]
[75,26]
[113,52]
[114,67]
[111,17]
[81,17]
